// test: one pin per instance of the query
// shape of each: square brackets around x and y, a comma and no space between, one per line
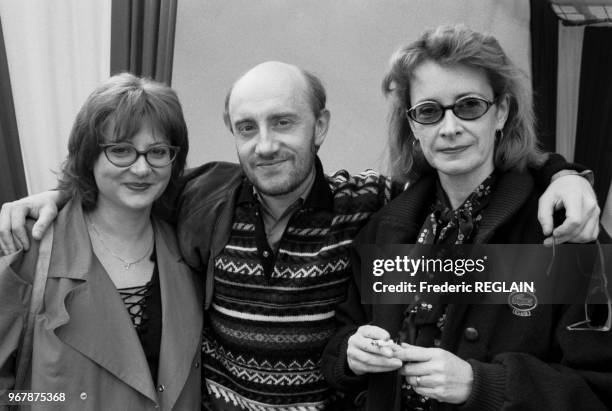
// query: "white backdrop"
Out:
[568,88]
[346,42]
[58,52]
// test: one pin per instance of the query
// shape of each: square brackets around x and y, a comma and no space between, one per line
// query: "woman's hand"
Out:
[436,373]
[365,355]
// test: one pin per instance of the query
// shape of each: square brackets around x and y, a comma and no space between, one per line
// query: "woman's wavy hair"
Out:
[114,112]
[454,46]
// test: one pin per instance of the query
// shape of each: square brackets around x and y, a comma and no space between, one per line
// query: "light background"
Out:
[347,43]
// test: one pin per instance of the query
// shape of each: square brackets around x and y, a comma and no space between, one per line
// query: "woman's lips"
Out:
[453,150]
[138,186]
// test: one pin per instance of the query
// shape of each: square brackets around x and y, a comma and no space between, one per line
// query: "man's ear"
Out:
[321,127]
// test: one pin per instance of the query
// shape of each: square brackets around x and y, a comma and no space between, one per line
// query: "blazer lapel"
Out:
[181,317]
[86,311]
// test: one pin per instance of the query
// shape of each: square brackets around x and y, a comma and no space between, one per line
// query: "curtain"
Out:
[142,37]
[606,213]
[544,43]
[568,88]
[58,52]
[12,177]
[593,141]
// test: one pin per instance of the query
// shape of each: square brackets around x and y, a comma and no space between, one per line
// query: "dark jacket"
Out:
[205,214]
[521,363]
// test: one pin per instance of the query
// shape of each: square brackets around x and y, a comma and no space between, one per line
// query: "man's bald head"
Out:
[303,81]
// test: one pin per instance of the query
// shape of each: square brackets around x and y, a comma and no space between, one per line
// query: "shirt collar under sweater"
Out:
[317,196]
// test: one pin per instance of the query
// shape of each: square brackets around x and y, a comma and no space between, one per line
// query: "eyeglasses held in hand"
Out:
[466,108]
[593,302]
[124,154]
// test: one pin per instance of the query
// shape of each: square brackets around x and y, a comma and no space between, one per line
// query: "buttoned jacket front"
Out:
[84,342]
[519,363]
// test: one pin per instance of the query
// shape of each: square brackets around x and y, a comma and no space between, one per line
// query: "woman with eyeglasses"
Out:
[462,133]
[120,321]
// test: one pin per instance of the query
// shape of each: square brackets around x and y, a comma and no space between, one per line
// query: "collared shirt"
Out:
[269,231]
[275,226]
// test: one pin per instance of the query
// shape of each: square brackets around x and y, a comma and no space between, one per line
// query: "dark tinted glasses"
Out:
[124,154]
[466,108]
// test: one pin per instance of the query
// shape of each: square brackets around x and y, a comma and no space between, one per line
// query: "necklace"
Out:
[126,264]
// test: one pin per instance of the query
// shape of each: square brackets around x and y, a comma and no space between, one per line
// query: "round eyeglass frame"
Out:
[174,150]
[410,111]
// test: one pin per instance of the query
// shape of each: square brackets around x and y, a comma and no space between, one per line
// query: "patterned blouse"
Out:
[423,322]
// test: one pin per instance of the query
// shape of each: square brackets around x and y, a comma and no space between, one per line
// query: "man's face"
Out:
[276,131]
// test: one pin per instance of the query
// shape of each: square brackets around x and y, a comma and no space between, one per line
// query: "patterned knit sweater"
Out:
[272,314]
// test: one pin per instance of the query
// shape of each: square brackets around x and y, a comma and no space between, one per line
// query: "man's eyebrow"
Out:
[289,114]
[242,121]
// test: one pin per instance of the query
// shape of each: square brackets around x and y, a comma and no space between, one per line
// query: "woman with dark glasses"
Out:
[119,322]
[462,132]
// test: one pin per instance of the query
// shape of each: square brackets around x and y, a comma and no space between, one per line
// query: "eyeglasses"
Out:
[593,301]
[124,154]
[466,108]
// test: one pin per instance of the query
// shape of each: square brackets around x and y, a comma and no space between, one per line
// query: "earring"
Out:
[499,134]
[415,144]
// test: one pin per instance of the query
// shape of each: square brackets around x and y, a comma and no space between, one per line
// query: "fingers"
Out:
[428,392]
[8,242]
[445,377]
[366,339]
[45,219]
[546,208]
[417,369]
[18,226]
[581,224]
[365,357]
[373,332]
[362,362]
[13,232]
[414,353]
[576,195]
[422,381]
[361,344]
[591,229]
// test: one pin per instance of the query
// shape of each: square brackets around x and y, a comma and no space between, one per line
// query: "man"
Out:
[272,236]
[278,261]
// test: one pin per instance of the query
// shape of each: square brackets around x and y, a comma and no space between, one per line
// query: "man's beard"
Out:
[290,182]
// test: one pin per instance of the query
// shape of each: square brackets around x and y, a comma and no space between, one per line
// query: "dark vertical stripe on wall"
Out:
[593,132]
[120,36]
[544,43]
[12,175]
[142,37]
[165,45]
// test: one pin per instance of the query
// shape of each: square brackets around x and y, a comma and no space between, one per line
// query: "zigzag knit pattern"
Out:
[265,333]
